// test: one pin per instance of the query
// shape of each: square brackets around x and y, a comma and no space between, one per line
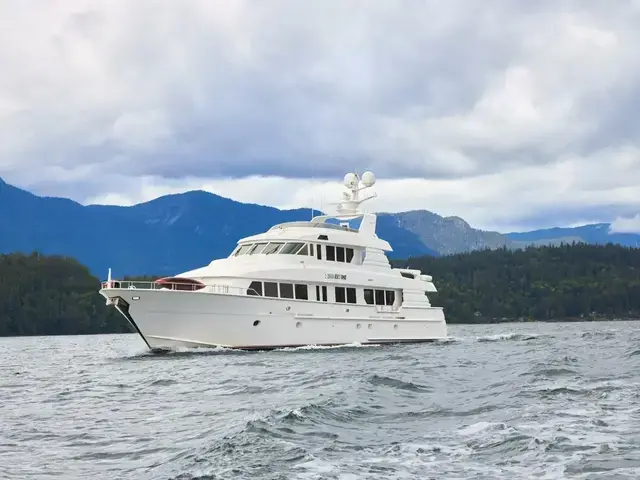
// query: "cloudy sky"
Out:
[511,114]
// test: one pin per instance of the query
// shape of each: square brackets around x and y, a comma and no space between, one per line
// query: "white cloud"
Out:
[626,225]
[509,114]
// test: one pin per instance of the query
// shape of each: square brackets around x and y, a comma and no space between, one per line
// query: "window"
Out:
[311,249]
[318,292]
[290,248]
[323,237]
[270,289]
[379,297]
[340,254]
[319,251]
[255,288]
[368,296]
[390,296]
[351,295]
[272,248]
[407,275]
[349,255]
[324,293]
[243,249]
[257,248]
[303,251]
[331,252]
[302,293]
[340,296]
[286,290]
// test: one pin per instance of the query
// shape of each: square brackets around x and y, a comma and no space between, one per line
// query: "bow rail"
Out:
[177,286]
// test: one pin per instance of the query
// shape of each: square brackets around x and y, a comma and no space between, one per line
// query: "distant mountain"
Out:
[448,235]
[175,233]
[594,234]
[167,235]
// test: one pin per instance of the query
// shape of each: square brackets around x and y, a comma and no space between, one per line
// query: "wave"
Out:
[381,380]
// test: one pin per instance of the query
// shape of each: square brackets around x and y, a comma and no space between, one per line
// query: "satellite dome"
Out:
[368,179]
[350,180]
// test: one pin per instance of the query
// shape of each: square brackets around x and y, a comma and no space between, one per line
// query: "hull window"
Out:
[368,296]
[324,293]
[302,293]
[270,289]
[340,295]
[286,290]
[318,293]
[379,297]
[351,295]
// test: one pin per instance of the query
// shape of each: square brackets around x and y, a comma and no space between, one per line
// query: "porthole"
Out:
[358,326]
[299,324]
[256,323]
[370,326]
[395,327]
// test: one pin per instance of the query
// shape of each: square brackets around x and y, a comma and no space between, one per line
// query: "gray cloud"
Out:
[427,89]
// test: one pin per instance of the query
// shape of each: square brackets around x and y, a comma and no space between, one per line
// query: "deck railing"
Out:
[146,285]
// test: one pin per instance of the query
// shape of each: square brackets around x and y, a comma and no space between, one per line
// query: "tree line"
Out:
[566,282]
[56,295]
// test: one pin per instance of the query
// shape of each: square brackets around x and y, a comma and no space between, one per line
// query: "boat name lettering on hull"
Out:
[335,276]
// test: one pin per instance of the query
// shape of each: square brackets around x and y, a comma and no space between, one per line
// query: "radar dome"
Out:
[350,180]
[368,179]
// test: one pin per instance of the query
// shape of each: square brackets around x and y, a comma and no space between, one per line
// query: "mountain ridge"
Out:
[180,231]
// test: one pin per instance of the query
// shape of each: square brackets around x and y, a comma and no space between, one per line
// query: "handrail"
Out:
[147,285]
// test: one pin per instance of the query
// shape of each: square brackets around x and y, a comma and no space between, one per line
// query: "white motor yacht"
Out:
[317,282]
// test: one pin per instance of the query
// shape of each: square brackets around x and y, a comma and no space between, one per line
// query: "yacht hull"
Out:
[168,320]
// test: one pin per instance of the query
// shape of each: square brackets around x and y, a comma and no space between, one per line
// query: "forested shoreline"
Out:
[56,295]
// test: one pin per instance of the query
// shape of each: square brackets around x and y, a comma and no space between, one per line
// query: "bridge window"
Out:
[272,248]
[290,248]
[311,249]
[243,249]
[255,288]
[379,297]
[286,290]
[407,275]
[349,255]
[257,248]
[270,289]
[319,251]
[340,295]
[390,296]
[304,250]
[340,254]
[302,292]
[331,252]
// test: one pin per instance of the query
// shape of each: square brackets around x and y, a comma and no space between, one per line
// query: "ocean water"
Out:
[512,401]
